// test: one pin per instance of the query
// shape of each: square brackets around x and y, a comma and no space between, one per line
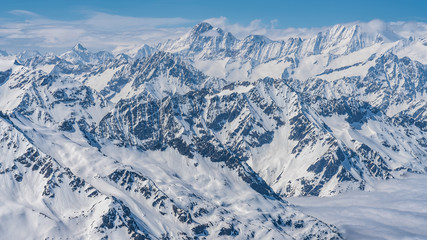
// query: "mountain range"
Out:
[206,135]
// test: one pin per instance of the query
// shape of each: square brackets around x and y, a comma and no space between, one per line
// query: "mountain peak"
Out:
[201,28]
[27,54]
[79,48]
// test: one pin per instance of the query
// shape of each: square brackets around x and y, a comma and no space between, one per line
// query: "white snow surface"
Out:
[184,180]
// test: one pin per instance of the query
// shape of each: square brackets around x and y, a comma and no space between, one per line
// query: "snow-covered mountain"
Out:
[79,54]
[204,136]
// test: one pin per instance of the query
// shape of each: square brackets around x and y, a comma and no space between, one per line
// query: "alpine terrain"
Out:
[204,136]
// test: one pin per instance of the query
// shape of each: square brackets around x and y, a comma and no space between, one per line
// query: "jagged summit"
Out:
[79,48]
[202,39]
[201,28]
[80,55]
[144,51]
[205,30]
[27,54]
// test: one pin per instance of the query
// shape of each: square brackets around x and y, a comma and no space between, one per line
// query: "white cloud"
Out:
[395,209]
[407,29]
[105,21]
[98,31]
[23,13]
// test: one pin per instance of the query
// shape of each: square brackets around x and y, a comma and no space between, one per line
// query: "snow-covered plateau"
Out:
[208,136]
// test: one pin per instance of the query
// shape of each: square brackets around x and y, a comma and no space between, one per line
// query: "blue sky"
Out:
[57,25]
[293,13]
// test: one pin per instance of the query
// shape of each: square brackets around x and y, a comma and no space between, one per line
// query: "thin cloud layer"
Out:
[102,31]
[98,31]
[257,27]
[396,209]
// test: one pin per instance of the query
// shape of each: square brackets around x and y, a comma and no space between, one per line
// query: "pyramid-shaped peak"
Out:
[78,47]
[201,28]
[145,46]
